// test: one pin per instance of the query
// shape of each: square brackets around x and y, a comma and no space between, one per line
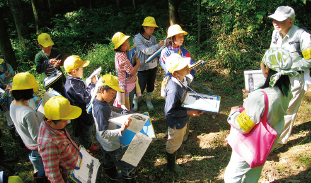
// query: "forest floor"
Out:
[207,151]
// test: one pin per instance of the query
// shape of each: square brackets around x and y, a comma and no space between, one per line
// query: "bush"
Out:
[101,55]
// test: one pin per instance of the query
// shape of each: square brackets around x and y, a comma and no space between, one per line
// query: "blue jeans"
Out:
[36,161]
[147,77]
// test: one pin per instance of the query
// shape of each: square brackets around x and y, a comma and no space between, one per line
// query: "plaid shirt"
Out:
[123,66]
[58,151]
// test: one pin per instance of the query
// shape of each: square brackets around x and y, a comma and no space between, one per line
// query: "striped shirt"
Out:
[58,151]
[167,51]
[123,66]
[43,63]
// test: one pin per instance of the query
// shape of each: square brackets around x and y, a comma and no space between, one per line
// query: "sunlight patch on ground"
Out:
[212,140]
[162,161]
[161,136]
[301,134]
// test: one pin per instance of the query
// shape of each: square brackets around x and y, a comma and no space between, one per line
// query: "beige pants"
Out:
[175,139]
[297,84]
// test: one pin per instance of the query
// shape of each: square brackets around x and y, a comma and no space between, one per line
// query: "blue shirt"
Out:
[175,93]
[79,95]
[107,134]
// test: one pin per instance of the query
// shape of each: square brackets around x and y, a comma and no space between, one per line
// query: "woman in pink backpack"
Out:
[276,68]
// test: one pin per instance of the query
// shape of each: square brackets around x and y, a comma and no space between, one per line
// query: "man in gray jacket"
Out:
[298,42]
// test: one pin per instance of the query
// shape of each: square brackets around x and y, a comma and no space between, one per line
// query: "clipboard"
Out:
[86,168]
[203,102]
[131,55]
[128,135]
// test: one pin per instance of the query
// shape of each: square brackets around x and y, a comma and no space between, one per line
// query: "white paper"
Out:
[136,149]
[40,110]
[253,76]
[209,103]
[137,121]
[88,169]
[94,73]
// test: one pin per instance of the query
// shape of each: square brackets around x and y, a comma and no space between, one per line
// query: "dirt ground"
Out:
[206,153]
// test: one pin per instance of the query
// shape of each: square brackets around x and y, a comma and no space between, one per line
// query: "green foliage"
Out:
[100,55]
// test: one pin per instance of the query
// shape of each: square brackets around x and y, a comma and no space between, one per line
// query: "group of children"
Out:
[175,61]
[53,153]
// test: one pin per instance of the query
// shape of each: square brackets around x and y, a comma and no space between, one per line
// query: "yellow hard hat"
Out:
[15,179]
[118,39]
[45,40]
[24,81]
[74,62]
[149,22]
[111,81]
[175,62]
[59,108]
[174,30]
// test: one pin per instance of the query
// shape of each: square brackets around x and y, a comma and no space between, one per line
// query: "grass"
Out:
[209,153]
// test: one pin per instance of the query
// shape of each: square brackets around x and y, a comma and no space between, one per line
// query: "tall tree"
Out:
[199,21]
[5,43]
[173,11]
[22,29]
[134,4]
[34,9]
[118,4]
[51,8]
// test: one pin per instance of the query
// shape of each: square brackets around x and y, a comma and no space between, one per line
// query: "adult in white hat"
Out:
[298,42]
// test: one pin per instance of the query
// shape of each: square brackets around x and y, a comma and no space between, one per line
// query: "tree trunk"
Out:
[5,43]
[134,4]
[35,14]
[22,29]
[199,22]
[118,4]
[51,8]
[173,11]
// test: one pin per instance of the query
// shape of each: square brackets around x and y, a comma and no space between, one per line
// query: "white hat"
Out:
[175,62]
[282,13]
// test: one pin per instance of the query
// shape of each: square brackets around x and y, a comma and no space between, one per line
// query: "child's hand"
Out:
[8,87]
[52,61]
[234,108]
[7,75]
[38,102]
[200,112]
[161,43]
[57,63]
[125,125]
[193,112]
[94,79]
[245,93]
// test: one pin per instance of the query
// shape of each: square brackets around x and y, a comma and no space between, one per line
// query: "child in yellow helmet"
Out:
[146,44]
[59,152]
[49,59]
[24,117]
[123,67]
